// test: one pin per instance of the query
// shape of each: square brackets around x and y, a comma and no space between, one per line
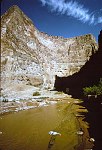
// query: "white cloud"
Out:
[72,8]
[99,19]
[43,2]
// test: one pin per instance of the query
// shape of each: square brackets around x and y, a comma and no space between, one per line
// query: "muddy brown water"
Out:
[28,130]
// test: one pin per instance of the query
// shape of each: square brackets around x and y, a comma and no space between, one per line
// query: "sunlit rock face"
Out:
[34,58]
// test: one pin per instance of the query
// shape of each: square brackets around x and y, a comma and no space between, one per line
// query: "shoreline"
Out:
[73,108]
[8,105]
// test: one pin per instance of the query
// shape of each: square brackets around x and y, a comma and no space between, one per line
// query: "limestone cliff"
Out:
[34,58]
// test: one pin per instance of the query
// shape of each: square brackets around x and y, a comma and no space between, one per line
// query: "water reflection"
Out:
[51,142]
[28,130]
[93,117]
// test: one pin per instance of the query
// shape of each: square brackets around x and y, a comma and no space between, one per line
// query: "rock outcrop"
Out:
[89,75]
[32,57]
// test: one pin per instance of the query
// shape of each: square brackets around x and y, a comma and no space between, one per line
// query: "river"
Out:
[29,129]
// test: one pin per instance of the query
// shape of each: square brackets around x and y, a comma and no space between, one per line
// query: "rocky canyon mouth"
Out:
[31,59]
[42,78]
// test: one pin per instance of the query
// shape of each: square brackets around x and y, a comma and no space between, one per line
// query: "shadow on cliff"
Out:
[89,75]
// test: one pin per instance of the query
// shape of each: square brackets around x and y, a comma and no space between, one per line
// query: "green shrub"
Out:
[5,100]
[36,94]
[58,92]
[94,90]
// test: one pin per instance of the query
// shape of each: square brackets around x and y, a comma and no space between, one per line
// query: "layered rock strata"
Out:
[31,57]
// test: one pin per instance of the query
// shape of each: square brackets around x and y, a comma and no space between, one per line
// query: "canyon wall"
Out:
[34,58]
[89,75]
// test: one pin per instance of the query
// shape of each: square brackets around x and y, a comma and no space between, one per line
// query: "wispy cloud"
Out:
[74,9]
[99,19]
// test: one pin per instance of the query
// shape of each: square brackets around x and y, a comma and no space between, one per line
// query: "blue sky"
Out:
[67,18]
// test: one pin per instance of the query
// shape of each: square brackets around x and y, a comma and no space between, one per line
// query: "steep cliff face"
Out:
[88,75]
[34,58]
